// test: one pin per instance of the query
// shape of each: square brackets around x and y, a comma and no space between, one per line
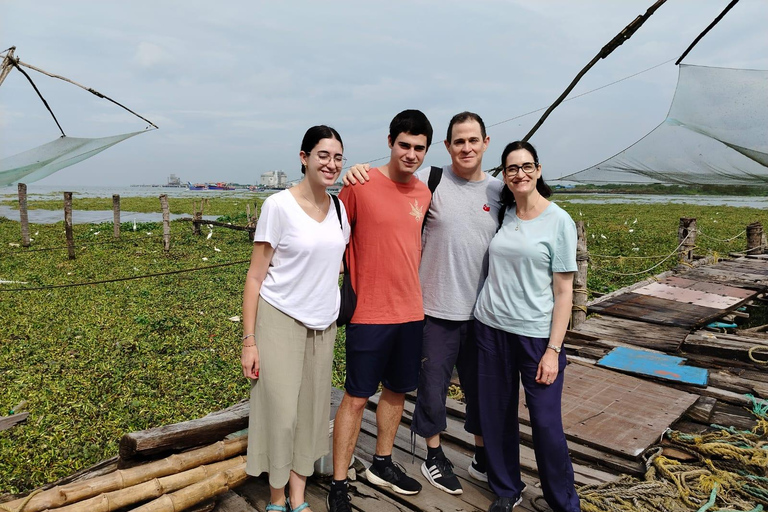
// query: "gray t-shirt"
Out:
[462,220]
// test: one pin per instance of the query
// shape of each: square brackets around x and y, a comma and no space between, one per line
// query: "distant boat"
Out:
[220,186]
[197,186]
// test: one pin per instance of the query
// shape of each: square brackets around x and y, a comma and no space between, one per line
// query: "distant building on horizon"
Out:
[174,181]
[274,179]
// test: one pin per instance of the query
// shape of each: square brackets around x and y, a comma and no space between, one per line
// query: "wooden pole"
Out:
[23,215]
[6,66]
[122,478]
[116,215]
[579,313]
[151,489]
[68,225]
[166,223]
[686,236]
[197,492]
[196,217]
[755,238]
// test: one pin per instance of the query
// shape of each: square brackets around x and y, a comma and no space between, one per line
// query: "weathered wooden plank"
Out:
[585,456]
[729,415]
[584,474]
[657,311]
[721,345]
[614,412]
[701,410]
[633,332]
[230,501]
[187,434]
[720,289]
[689,296]
[660,366]
[7,422]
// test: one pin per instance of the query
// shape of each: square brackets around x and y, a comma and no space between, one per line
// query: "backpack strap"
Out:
[338,209]
[338,214]
[435,175]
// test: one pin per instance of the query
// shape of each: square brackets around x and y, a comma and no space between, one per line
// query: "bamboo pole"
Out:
[68,225]
[686,236]
[151,489]
[166,223]
[122,478]
[197,217]
[23,215]
[579,312]
[755,238]
[196,493]
[116,215]
[6,65]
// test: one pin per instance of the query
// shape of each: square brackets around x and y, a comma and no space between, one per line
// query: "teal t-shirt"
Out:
[518,295]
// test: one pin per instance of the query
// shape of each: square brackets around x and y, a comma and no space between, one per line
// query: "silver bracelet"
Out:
[248,336]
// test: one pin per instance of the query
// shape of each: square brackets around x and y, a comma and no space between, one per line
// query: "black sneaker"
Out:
[338,502]
[505,504]
[439,472]
[476,471]
[393,476]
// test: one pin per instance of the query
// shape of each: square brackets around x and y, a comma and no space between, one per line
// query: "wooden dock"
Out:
[610,417]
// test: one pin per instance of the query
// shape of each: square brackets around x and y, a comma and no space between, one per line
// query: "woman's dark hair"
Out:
[315,135]
[507,198]
[463,117]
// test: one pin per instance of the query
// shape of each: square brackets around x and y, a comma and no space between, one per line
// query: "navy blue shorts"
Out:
[386,353]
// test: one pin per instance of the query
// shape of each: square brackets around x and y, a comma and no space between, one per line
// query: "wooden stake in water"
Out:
[686,236]
[116,215]
[579,313]
[23,215]
[166,223]
[755,238]
[68,225]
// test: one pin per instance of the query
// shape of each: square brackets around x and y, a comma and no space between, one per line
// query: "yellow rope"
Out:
[23,503]
[753,358]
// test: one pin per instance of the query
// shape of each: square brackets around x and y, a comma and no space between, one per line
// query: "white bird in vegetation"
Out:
[96,233]
[134,224]
[631,230]
[217,249]
[210,232]
[603,236]
[205,259]
[634,221]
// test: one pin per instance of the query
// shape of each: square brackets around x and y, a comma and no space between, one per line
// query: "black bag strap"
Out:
[338,214]
[502,214]
[435,175]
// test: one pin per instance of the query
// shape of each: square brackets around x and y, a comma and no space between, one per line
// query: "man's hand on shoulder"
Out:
[358,173]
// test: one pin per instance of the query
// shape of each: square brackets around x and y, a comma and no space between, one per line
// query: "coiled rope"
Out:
[729,474]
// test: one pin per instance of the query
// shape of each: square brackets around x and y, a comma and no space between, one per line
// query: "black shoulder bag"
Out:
[348,296]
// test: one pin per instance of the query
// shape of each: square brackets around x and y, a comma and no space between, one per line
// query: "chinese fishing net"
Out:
[716,132]
[40,162]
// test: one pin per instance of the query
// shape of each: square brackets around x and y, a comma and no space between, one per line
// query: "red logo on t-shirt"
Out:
[486,208]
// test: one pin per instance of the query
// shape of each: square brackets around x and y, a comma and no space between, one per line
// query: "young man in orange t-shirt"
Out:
[385,334]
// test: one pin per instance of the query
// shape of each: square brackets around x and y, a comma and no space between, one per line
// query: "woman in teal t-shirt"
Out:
[522,314]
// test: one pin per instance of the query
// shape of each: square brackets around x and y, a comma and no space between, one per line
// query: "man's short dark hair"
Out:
[463,117]
[413,122]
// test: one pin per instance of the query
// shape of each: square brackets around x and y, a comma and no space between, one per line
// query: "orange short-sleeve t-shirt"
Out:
[385,248]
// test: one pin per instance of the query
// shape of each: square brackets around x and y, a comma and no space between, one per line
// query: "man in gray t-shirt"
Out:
[462,219]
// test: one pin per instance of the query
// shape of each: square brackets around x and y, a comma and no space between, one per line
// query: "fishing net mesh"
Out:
[716,133]
[40,162]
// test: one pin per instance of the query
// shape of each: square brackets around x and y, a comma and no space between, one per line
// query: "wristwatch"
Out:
[555,348]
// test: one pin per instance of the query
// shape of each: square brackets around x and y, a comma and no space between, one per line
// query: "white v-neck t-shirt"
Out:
[303,277]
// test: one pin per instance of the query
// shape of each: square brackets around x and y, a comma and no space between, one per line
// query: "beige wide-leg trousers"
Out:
[290,402]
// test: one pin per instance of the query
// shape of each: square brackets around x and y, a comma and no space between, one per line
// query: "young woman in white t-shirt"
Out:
[290,304]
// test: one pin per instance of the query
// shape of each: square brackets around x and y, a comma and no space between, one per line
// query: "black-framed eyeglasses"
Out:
[324,158]
[527,168]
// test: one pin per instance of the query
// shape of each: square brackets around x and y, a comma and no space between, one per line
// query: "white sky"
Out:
[233,85]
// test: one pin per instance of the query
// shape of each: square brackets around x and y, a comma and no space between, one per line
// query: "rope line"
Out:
[719,239]
[120,279]
[654,266]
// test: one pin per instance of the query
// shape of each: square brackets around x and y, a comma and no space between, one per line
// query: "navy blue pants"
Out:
[447,343]
[504,359]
